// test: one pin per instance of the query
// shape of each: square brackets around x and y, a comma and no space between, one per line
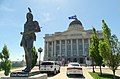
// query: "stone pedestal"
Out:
[24,74]
[34,74]
[39,76]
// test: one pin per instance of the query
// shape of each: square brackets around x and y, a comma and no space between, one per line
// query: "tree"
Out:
[0,60]
[35,56]
[94,52]
[6,64]
[110,49]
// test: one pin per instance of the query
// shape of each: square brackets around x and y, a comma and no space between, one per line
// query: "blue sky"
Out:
[52,16]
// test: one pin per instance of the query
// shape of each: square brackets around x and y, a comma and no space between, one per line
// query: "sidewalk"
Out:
[97,67]
[86,74]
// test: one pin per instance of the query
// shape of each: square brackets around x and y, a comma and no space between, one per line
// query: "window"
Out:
[74,52]
[80,49]
[68,53]
[74,47]
[49,54]
[68,47]
[80,46]
[62,47]
[74,41]
[47,63]
[80,41]
[57,42]
[68,41]
[90,41]
[57,48]
[86,45]
[85,40]
[74,64]
[86,48]
[49,48]
[63,52]
[63,41]
[50,43]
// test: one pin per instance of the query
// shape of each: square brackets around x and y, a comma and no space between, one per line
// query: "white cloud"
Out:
[47,17]
[58,8]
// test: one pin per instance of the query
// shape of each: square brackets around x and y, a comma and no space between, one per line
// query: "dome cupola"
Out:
[76,21]
[75,24]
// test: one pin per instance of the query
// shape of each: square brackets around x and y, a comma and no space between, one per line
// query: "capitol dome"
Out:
[76,24]
[76,21]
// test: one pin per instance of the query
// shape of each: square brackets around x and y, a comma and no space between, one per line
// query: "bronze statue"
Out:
[28,38]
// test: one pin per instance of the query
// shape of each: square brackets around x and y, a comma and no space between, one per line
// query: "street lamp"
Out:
[58,57]
[23,57]
[39,50]
[23,60]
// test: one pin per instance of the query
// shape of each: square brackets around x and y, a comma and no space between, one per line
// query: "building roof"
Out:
[76,21]
[76,25]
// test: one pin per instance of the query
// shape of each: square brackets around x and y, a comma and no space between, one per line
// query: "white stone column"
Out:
[83,46]
[55,48]
[65,47]
[77,47]
[71,47]
[47,50]
[60,48]
[52,50]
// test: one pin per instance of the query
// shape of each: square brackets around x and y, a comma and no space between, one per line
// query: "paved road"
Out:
[62,75]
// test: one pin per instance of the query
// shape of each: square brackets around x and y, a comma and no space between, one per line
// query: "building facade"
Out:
[71,45]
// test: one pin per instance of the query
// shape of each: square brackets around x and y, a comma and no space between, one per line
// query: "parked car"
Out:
[50,67]
[74,68]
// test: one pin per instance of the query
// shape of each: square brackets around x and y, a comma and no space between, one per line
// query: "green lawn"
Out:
[103,76]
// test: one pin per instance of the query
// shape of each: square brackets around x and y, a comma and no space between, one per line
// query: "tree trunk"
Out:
[113,74]
[100,70]
[93,67]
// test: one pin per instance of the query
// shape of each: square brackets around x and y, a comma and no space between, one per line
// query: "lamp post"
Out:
[23,60]
[23,57]
[58,57]
[39,50]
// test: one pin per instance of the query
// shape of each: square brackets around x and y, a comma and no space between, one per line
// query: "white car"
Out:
[74,68]
[49,67]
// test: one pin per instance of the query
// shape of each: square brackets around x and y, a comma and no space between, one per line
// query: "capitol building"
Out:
[71,45]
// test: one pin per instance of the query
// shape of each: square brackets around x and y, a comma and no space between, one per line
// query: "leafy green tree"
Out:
[110,49]
[35,56]
[94,52]
[0,61]
[6,64]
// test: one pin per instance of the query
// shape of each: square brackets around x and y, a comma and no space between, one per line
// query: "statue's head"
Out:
[29,16]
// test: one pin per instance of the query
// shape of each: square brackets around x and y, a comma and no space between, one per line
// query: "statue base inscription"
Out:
[24,74]
[38,76]
[19,74]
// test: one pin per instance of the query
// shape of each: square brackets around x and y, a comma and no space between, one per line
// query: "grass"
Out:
[15,67]
[12,68]
[103,76]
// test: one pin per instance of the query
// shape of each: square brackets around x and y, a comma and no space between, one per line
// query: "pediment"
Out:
[71,32]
